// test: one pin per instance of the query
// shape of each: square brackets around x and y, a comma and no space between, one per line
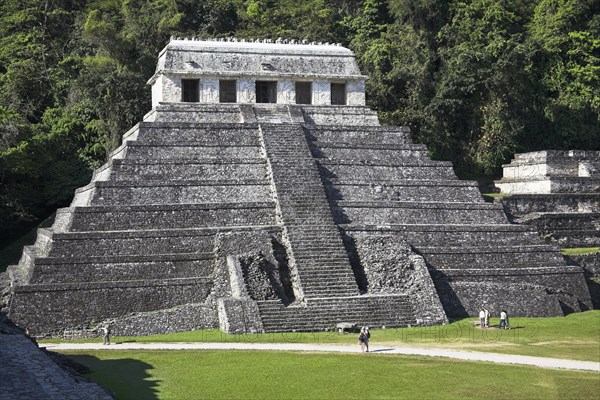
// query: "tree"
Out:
[566,32]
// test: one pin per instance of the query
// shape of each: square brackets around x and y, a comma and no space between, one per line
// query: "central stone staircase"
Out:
[316,250]
[326,290]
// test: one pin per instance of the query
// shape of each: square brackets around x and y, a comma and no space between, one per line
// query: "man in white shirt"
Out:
[503,320]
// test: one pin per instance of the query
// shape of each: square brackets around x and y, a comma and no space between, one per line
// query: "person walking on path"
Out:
[481,318]
[105,335]
[363,338]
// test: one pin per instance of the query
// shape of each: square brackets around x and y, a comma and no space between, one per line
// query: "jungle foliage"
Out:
[475,80]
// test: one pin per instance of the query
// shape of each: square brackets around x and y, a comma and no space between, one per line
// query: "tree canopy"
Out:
[475,80]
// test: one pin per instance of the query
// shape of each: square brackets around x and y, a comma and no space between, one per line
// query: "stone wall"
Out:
[526,293]
[49,309]
[591,266]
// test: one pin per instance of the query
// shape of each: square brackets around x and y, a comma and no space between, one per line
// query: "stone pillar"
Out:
[157,94]
[171,89]
[355,93]
[246,92]
[286,92]
[321,93]
[209,90]
[238,313]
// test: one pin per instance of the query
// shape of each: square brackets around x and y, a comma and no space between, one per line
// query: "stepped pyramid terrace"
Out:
[260,194]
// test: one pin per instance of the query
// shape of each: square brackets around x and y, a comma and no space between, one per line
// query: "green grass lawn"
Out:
[287,375]
[576,336]
[576,251]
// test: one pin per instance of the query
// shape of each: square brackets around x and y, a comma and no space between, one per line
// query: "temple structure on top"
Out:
[257,72]
[260,194]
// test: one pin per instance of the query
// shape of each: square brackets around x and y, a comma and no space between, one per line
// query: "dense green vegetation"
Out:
[576,336]
[283,375]
[476,81]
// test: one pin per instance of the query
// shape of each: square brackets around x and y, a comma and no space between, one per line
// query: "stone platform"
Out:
[558,192]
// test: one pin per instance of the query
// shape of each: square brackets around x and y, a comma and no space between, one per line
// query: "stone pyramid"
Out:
[264,215]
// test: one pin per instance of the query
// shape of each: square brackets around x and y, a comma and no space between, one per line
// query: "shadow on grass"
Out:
[125,378]
[380,350]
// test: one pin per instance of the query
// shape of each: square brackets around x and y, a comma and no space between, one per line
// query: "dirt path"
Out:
[542,362]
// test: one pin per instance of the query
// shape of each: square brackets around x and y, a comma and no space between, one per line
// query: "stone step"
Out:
[301,318]
[489,249]
[327,310]
[182,113]
[171,192]
[186,169]
[349,169]
[317,254]
[566,184]
[553,202]
[136,150]
[443,237]
[511,258]
[114,218]
[324,270]
[398,192]
[574,238]
[122,267]
[159,241]
[370,213]
[326,313]
[160,132]
[366,154]
[354,136]
[548,222]
[526,271]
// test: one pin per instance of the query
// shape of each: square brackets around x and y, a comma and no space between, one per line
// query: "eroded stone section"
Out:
[390,266]
[261,278]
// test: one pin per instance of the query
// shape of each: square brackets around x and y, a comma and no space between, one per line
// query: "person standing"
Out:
[105,335]
[481,318]
[504,320]
[486,317]
[363,338]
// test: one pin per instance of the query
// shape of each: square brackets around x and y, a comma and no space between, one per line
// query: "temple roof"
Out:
[265,58]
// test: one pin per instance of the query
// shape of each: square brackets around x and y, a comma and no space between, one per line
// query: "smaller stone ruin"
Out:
[556,191]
